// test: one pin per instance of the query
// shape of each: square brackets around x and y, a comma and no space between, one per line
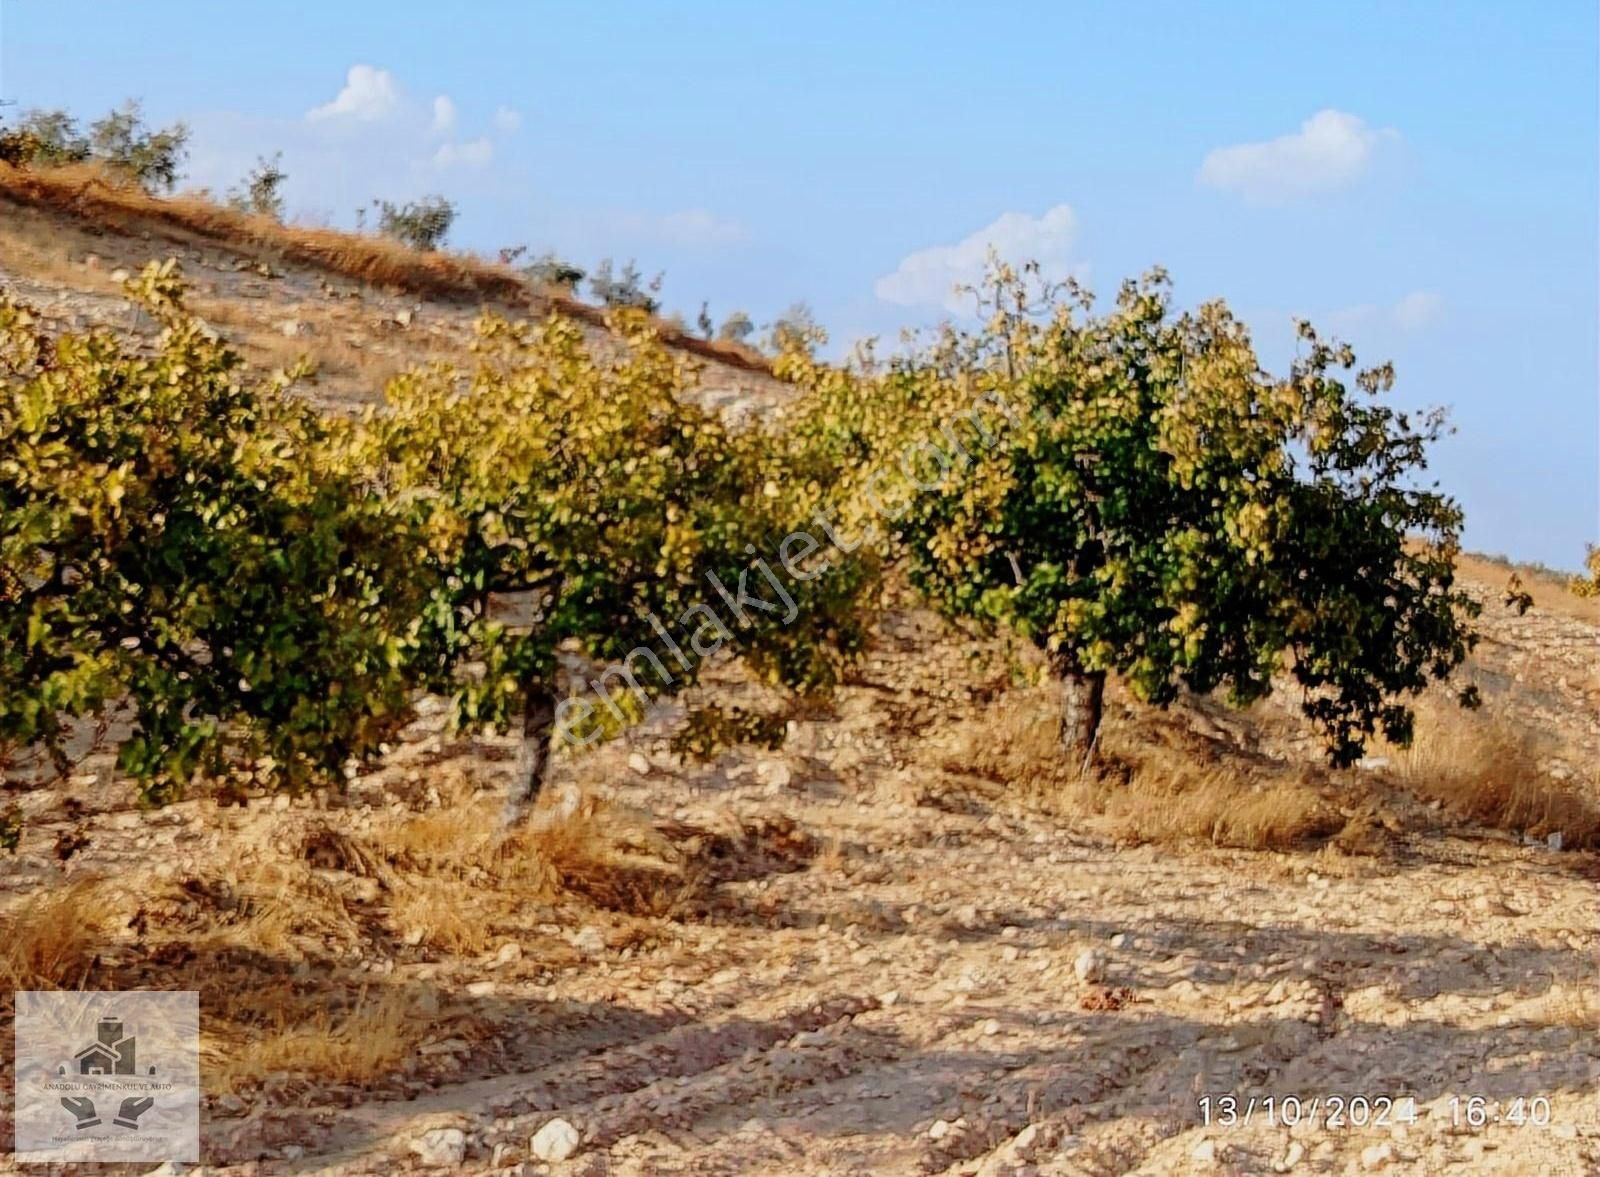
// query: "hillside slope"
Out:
[903,942]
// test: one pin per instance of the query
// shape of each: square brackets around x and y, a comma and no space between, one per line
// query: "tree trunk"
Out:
[1082,701]
[533,757]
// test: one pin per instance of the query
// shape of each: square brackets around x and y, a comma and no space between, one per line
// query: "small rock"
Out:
[119,275]
[1204,1153]
[940,1129]
[1090,967]
[441,1146]
[292,327]
[1554,841]
[556,1141]
[774,774]
[403,317]
[1377,1156]
[1120,940]
[509,951]
[638,763]
[1373,763]
[481,989]
[991,1028]
[503,1157]
[889,998]
[590,940]
[1292,1157]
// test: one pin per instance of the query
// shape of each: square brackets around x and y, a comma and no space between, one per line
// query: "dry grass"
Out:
[601,853]
[86,191]
[1549,589]
[296,1038]
[1483,767]
[1160,784]
[50,942]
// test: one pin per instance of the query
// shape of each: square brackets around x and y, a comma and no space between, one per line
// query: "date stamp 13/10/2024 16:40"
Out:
[1344,1111]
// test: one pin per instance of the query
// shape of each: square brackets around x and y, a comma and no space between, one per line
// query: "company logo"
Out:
[107,1076]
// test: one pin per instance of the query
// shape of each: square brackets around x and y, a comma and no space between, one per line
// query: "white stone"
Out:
[1377,1156]
[940,1129]
[774,774]
[556,1141]
[441,1146]
[637,762]
[1205,1153]
[1554,841]
[1090,966]
[509,951]
[481,989]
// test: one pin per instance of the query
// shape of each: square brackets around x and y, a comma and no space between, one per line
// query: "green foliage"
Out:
[627,290]
[186,537]
[261,193]
[122,141]
[269,587]
[709,731]
[596,486]
[1150,503]
[550,270]
[1517,596]
[421,224]
[44,137]
[1588,583]
[11,825]
[736,328]
[796,330]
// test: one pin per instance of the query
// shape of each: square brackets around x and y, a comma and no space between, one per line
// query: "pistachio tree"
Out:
[181,535]
[639,533]
[1145,500]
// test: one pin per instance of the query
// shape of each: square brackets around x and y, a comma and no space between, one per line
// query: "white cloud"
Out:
[928,277]
[444,113]
[475,153]
[1418,309]
[369,94]
[1330,150]
[508,120]
[1414,312]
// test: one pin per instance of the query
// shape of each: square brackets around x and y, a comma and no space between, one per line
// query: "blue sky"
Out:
[1419,178]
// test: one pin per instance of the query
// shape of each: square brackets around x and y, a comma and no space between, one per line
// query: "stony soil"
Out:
[887,965]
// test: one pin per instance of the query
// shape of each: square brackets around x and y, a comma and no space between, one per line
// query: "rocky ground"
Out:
[854,954]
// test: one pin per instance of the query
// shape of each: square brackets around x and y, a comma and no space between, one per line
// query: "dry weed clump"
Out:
[50,942]
[1483,768]
[300,1037]
[1159,785]
[601,853]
